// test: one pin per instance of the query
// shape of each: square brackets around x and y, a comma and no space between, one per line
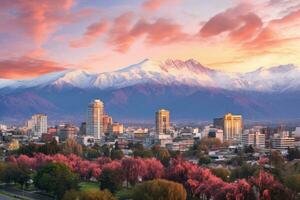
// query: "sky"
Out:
[42,36]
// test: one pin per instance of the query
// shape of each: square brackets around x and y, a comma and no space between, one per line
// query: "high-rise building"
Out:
[38,124]
[94,126]
[232,126]
[107,124]
[162,121]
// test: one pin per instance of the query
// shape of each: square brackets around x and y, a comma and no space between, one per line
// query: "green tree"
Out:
[116,154]
[55,178]
[293,182]
[222,173]
[111,180]
[159,189]
[10,172]
[90,194]
[244,171]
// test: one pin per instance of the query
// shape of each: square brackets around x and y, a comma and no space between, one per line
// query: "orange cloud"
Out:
[26,67]
[92,33]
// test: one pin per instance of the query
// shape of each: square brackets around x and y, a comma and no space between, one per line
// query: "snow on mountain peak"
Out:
[169,72]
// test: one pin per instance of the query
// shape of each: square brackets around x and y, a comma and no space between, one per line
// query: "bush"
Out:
[91,194]
[159,189]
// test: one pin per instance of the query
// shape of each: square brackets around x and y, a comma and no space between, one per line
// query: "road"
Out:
[3,197]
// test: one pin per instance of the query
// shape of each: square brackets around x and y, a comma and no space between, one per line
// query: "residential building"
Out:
[38,124]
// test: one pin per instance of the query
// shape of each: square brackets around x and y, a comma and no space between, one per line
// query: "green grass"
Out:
[88,185]
[124,194]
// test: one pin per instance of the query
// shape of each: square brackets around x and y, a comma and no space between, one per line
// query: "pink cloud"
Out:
[118,35]
[251,25]
[270,35]
[153,4]
[26,67]
[159,32]
[240,22]
[36,19]
[92,32]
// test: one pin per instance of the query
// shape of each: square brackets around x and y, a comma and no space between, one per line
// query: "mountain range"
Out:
[190,90]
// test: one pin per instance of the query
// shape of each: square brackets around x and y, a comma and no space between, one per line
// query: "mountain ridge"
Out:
[172,71]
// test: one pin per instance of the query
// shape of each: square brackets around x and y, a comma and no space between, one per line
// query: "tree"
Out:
[154,169]
[222,173]
[91,194]
[210,143]
[243,172]
[159,189]
[116,154]
[11,172]
[293,182]
[111,179]
[55,178]
[133,169]
[269,188]
[277,159]
[71,146]
[164,157]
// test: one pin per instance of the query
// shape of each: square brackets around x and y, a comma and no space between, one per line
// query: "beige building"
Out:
[107,124]
[232,126]
[117,128]
[162,122]
[94,125]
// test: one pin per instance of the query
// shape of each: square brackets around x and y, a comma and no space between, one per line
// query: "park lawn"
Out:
[124,194]
[88,185]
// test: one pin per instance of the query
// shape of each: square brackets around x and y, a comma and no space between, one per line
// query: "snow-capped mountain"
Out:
[170,72]
[189,89]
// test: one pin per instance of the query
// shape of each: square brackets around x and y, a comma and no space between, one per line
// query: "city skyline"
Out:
[106,35]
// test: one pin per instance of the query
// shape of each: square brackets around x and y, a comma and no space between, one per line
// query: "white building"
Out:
[283,142]
[38,124]
[254,138]
[94,125]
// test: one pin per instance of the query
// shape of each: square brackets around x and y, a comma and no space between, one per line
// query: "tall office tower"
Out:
[38,124]
[232,126]
[107,124]
[94,126]
[162,121]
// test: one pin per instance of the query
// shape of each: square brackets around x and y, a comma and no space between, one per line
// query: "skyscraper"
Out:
[162,121]
[94,126]
[232,126]
[38,124]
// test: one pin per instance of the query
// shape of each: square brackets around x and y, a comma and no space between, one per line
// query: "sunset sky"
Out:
[42,36]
